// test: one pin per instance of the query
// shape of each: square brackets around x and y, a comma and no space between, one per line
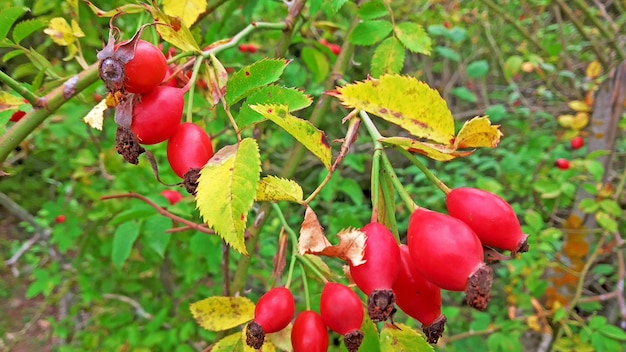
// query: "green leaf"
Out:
[258,74]
[403,101]
[611,207]
[303,131]
[222,313]
[533,219]
[457,34]
[606,221]
[154,235]
[448,53]
[477,69]
[316,62]
[595,168]
[370,335]
[402,338]
[512,66]
[26,28]
[388,57]
[588,205]
[272,188]
[372,10]
[437,30]
[336,5]
[370,32]
[597,322]
[413,37]
[123,241]
[603,269]
[12,54]
[496,112]
[613,332]
[464,94]
[272,94]
[226,190]
[8,16]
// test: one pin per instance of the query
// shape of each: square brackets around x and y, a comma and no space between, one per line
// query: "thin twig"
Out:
[162,211]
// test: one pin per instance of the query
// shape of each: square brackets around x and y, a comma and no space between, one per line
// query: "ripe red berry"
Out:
[491,217]
[60,219]
[376,276]
[17,116]
[448,253]
[272,313]
[562,164]
[157,115]
[172,197]
[189,147]
[309,333]
[418,297]
[252,48]
[243,48]
[577,142]
[342,312]
[146,70]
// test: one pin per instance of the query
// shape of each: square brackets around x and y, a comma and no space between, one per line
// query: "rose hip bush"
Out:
[310,175]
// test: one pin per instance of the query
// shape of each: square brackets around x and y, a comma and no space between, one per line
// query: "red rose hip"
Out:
[447,252]
[376,276]
[157,115]
[189,148]
[491,217]
[146,70]
[309,333]
[272,313]
[342,312]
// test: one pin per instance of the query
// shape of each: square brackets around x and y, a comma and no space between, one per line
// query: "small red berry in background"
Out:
[309,333]
[577,142]
[248,48]
[562,163]
[447,25]
[243,48]
[172,196]
[516,103]
[17,116]
[272,313]
[336,49]
[60,219]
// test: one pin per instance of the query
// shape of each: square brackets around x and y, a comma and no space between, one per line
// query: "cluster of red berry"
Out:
[576,143]
[157,108]
[443,252]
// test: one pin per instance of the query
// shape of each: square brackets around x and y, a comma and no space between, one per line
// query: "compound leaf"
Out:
[303,131]
[404,101]
[272,188]
[222,313]
[187,10]
[226,190]
[8,16]
[413,37]
[388,57]
[258,74]
[370,32]
[26,28]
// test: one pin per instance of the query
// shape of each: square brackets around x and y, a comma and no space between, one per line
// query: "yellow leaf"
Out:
[533,323]
[580,121]
[404,101]
[226,190]
[76,31]
[272,188]
[95,117]
[187,10]
[303,131]
[478,132]
[172,30]
[579,106]
[565,120]
[434,151]
[593,70]
[9,101]
[267,345]
[222,313]
[60,31]
[230,343]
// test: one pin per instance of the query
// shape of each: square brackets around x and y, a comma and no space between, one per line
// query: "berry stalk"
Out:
[429,175]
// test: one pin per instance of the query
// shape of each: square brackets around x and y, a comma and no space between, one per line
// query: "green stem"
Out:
[294,241]
[404,195]
[304,260]
[192,87]
[305,283]
[375,182]
[390,207]
[232,42]
[51,102]
[605,32]
[437,182]
[20,89]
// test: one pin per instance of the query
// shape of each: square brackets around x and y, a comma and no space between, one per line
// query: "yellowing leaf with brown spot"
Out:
[403,101]
[222,313]
[230,343]
[187,10]
[9,101]
[60,31]
[312,241]
[272,188]
[565,120]
[95,117]
[434,151]
[172,30]
[580,121]
[303,131]
[478,132]
[593,70]
[579,106]
[226,190]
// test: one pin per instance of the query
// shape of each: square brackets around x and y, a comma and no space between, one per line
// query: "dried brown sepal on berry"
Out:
[353,340]
[522,246]
[190,180]
[380,305]
[477,292]
[255,336]
[127,146]
[435,330]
